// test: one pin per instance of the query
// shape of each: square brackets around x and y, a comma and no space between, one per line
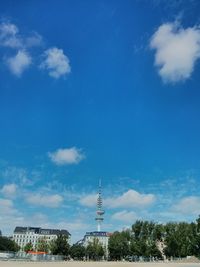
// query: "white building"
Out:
[25,235]
[102,237]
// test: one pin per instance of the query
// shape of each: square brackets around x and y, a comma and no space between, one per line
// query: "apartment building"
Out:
[24,235]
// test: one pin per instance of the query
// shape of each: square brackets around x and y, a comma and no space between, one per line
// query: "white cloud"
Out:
[125,216]
[10,37]
[89,200]
[19,63]
[64,156]
[131,198]
[7,207]
[177,50]
[9,221]
[19,176]
[73,225]
[50,201]
[9,190]
[187,206]
[9,216]
[7,203]
[56,62]
[34,39]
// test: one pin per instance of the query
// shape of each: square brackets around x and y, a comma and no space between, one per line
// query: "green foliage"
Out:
[140,241]
[8,245]
[94,250]
[195,238]
[158,232]
[28,247]
[153,251]
[145,236]
[118,245]
[60,246]
[180,239]
[77,252]
[42,245]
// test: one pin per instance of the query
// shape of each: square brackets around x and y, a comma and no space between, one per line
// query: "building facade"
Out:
[102,237]
[25,235]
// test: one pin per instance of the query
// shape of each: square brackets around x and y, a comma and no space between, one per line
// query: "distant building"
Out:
[102,237]
[25,235]
[0,233]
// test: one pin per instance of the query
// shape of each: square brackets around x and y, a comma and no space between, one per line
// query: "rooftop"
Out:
[38,230]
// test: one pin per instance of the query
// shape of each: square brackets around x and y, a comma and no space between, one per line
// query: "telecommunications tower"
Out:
[99,212]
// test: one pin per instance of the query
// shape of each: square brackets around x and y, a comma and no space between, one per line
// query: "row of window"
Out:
[34,237]
[99,238]
[21,236]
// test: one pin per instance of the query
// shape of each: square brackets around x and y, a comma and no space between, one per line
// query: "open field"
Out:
[92,264]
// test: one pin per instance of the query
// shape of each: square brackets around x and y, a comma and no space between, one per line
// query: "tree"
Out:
[77,252]
[28,247]
[94,250]
[135,248]
[8,245]
[180,239]
[137,229]
[42,245]
[158,232]
[154,252]
[195,238]
[145,235]
[60,245]
[118,246]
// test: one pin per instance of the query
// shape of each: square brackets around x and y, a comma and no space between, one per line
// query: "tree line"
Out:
[58,246]
[145,239]
[156,241]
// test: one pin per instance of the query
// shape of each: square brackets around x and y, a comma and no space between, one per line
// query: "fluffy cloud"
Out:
[129,199]
[7,207]
[19,63]
[188,206]
[89,200]
[54,59]
[50,201]
[125,216]
[10,37]
[73,225]
[10,217]
[7,203]
[177,50]
[9,190]
[66,156]
[56,62]
[33,40]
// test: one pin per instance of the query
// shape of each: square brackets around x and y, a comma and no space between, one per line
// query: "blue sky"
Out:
[99,89]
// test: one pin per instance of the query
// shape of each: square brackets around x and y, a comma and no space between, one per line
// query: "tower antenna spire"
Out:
[99,212]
